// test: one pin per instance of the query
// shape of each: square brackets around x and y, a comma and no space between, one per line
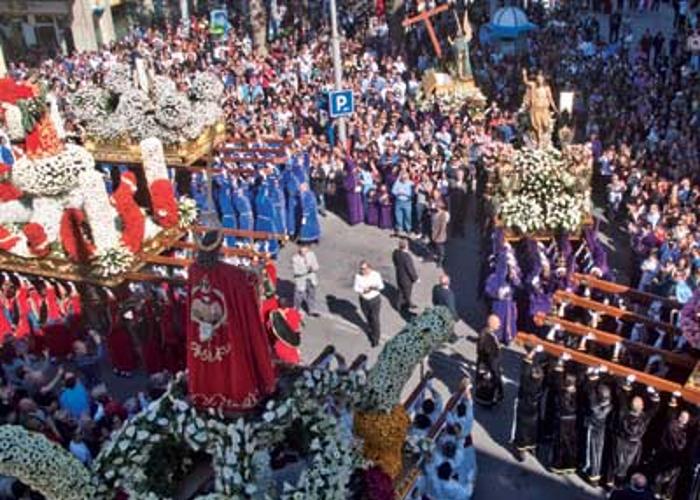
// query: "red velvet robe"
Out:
[120,344]
[228,355]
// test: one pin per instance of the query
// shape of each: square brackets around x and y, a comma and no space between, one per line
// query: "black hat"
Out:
[281,329]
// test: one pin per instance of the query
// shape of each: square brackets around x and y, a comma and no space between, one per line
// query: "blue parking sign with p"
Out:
[341,103]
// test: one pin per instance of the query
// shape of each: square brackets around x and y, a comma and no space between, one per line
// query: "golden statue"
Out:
[460,45]
[539,101]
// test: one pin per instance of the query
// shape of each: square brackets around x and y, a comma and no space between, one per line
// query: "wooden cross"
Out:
[425,17]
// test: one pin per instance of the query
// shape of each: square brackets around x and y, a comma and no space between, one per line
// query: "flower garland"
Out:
[165,210]
[36,239]
[7,239]
[75,244]
[401,354]
[98,210]
[42,465]
[52,175]
[133,220]
[113,261]
[187,211]
[239,449]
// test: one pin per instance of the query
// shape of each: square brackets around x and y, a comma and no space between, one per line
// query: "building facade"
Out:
[44,28]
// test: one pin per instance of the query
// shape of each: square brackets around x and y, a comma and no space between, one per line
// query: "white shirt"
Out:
[368,286]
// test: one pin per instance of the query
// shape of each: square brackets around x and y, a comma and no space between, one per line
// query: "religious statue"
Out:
[539,100]
[460,45]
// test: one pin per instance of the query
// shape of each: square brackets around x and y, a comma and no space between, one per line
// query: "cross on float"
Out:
[425,17]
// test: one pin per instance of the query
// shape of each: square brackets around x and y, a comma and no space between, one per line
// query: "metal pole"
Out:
[337,67]
[185,16]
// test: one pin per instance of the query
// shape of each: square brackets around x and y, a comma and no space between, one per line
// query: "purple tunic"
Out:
[503,305]
[353,196]
[372,215]
[386,214]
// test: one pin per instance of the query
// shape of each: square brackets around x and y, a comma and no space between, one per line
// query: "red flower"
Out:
[164,204]
[7,240]
[9,192]
[11,91]
[133,221]
[5,169]
[76,245]
[36,239]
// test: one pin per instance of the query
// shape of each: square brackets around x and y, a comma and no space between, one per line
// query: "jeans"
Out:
[402,211]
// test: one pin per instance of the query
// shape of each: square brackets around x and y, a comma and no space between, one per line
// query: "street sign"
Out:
[341,103]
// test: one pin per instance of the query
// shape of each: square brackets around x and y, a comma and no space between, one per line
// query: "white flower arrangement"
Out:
[89,102]
[113,261]
[15,212]
[118,79]
[173,110]
[52,175]
[401,354]
[206,87]
[187,211]
[153,157]
[99,211]
[540,191]
[239,448]
[13,120]
[166,113]
[42,465]
[48,212]
[162,85]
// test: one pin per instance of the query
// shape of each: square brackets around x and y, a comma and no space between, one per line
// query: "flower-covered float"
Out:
[56,216]
[310,417]
[124,111]
[539,192]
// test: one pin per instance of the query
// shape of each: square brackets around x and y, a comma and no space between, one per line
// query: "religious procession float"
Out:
[234,416]
[536,189]
[57,218]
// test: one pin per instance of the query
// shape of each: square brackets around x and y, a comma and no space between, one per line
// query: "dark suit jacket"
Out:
[405,271]
[445,297]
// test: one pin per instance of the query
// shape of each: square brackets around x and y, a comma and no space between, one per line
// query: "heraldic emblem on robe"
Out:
[228,356]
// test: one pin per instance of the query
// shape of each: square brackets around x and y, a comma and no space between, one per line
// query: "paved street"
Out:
[342,247]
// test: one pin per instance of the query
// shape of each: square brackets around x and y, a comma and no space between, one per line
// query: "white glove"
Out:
[566,356]
[631,378]
[539,348]
[651,390]
[603,369]
[676,394]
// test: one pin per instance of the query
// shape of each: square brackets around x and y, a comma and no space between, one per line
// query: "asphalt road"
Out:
[342,325]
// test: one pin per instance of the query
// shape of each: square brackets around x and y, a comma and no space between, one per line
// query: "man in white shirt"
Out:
[369,284]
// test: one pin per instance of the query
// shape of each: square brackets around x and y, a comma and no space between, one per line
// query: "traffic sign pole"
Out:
[337,67]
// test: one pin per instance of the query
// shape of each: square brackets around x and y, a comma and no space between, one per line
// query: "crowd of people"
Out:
[402,169]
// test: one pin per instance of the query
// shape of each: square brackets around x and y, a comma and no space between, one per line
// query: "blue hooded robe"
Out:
[265,219]
[310,230]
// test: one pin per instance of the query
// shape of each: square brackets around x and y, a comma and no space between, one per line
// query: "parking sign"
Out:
[341,103]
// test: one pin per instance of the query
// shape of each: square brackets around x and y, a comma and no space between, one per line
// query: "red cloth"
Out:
[53,310]
[5,325]
[228,356]
[120,344]
[58,339]
[173,339]
[285,352]
[23,328]
[151,343]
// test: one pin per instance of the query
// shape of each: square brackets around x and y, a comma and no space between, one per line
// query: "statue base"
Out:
[448,89]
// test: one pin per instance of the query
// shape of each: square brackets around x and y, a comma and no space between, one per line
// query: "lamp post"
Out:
[337,66]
